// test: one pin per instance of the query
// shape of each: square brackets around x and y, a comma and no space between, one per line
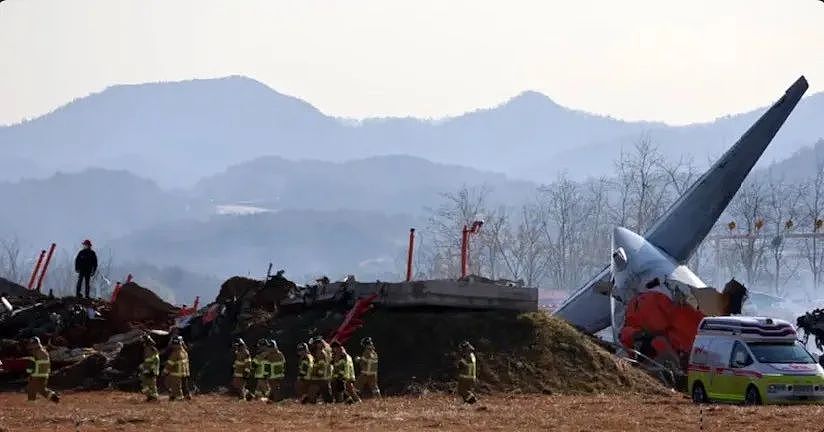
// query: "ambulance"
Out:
[753,360]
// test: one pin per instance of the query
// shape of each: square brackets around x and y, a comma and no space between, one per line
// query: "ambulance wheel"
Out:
[752,397]
[699,395]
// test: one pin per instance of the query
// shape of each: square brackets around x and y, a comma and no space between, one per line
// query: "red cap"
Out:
[87,242]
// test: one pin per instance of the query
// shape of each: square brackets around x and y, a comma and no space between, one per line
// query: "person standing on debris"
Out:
[177,367]
[305,366]
[85,264]
[467,372]
[277,371]
[343,384]
[39,370]
[242,367]
[149,369]
[368,363]
[261,368]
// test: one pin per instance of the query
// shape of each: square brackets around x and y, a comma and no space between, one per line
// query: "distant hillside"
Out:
[389,184]
[98,204]
[177,133]
[305,243]
[801,166]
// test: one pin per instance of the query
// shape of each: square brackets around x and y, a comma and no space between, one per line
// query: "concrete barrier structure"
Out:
[467,293]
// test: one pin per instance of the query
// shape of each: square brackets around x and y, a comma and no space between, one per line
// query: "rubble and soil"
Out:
[95,345]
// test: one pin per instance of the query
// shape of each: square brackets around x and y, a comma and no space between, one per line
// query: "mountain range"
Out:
[187,183]
[177,133]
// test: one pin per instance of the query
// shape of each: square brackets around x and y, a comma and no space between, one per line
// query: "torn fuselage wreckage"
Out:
[647,294]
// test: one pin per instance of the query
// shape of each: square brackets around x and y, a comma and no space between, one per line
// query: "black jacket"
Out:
[86,262]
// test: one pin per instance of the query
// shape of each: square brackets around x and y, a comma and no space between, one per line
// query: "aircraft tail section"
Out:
[688,221]
[691,218]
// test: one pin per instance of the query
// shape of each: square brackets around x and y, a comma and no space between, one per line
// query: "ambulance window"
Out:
[700,352]
[719,355]
[740,356]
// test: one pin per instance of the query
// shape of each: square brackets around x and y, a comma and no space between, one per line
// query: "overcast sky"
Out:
[676,61]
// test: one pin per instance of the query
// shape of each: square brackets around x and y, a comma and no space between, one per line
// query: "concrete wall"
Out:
[469,294]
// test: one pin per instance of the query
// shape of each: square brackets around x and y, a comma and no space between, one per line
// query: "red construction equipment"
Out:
[476,226]
[46,266]
[409,256]
[353,319]
[36,269]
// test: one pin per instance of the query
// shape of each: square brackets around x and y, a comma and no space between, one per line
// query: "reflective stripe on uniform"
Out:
[350,368]
[175,368]
[468,367]
[261,368]
[42,368]
[242,367]
[305,367]
[151,365]
[369,363]
[277,370]
[321,370]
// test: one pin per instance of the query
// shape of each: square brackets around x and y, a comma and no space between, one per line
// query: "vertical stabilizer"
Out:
[688,221]
[685,225]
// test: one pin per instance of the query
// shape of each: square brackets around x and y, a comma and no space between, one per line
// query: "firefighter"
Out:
[321,373]
[242,368]
[261,370]
[85,264]
[467,372]
[305,365]
[368,363]
[277,371]
[39,369]
[186,381]
[149,369]
[343,384]
[177,366]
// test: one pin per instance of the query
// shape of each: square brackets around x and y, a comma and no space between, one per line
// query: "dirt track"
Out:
[124,411]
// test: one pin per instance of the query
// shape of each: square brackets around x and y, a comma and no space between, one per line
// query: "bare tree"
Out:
[783,202]
[459,209]
[641,185]
[748,209]
[10,263]
[564,216]
[522,248]
[813,209]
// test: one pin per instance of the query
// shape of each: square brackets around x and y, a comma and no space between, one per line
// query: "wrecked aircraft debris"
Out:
[646,285]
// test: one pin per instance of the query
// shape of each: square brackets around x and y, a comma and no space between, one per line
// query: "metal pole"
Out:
[36,269]
[464,235]
[45,266]
[409,254]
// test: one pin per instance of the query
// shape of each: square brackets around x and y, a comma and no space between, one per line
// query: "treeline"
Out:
[768,238]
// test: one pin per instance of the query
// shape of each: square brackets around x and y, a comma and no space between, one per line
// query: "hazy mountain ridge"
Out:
[97,203]
[177,133]
[304,242]
[383,183]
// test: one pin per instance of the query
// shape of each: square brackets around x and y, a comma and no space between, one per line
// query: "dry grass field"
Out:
[98,411]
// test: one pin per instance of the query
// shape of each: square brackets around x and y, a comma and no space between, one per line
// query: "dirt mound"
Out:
[135,304]
[517,352]
[262,294]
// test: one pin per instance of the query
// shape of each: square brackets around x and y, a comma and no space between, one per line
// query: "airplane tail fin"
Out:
[688,221]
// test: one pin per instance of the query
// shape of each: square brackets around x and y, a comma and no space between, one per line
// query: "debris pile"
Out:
[95,345]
